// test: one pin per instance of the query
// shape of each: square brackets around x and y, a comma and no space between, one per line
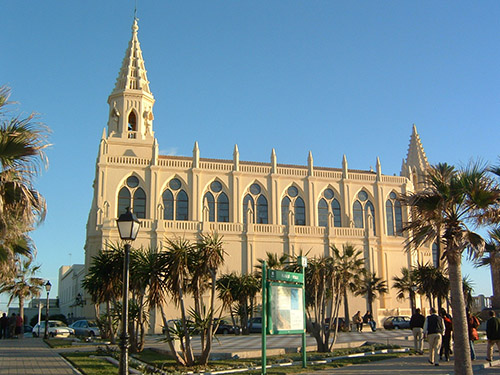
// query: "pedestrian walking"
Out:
[448,329]
[472,325]
[4,326]
[358,320]
[433,330]
[19,326]
[493,334]
[417,321]
[12,325]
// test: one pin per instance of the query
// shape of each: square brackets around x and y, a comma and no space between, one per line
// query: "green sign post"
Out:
[283,306]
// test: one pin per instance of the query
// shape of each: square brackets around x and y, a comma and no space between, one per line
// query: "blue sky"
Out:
[333,77]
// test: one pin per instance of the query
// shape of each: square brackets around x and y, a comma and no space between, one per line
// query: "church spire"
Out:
[416,160]
[133,71]
[131,102]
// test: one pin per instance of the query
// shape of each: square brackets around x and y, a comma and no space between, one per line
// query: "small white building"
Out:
[71,300]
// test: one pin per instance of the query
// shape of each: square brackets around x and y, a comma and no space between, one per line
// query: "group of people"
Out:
[438,330]
[11,327]
[359,320]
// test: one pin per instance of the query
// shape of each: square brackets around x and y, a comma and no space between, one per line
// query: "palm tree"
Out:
[493,261]
[451,201]
[22,145]
[24,285]
[104,284]
[371,287]
[405,284]
[350,266]
[431,282]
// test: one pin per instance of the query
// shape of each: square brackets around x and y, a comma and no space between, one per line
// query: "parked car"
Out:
[87,328]
[28,328]
[255,325]
[56,329]
[397,322]
[224,327]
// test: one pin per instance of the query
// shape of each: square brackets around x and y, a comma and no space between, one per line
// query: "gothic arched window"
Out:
[132,122]
[394,215]
[361,208]
[260,213]
[137,204]
[218,203]
[328,200]
[175,202]
[292,199]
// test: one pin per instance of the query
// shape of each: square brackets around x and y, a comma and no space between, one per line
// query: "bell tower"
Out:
[131,102]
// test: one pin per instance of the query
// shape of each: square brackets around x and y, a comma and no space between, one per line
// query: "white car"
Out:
[56,329]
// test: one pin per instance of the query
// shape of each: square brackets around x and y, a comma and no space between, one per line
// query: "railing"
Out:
[310,231]
[225,227]
[269,228]
[286,171]
[362,177]
[132,135]
[335,175]
[258,169]
[349,232]
[129,160]
[181,225]
[394,179]
[216,166]
[173,163]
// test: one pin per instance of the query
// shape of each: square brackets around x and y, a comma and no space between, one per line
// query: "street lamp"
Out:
[128,227]
[48,285]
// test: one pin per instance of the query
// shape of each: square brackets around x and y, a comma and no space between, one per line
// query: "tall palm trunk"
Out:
[170,342]
[346,309]
[21,312]
[495,278]
[208,345]
[188,350]
[110,329]
[463,363]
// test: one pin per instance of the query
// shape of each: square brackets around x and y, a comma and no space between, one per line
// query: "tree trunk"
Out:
[111,331]
[21,312]
[170,342]
[495,279]
[208,344]
[346,310]
[463,363]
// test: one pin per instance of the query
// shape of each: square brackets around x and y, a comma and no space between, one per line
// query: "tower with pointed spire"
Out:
[416,163]
[131,102]
[258,207]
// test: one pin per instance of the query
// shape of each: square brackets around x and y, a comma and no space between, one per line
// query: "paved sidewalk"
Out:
[31,356]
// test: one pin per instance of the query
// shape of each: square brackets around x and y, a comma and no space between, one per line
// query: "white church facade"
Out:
[257,207]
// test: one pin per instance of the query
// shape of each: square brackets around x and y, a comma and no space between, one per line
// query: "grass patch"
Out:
[58,343]
[165,363]
[90,365]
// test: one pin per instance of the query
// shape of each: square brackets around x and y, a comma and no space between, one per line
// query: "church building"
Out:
[257,207]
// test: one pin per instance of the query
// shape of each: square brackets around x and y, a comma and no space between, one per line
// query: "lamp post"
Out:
[128,227]
[48,285]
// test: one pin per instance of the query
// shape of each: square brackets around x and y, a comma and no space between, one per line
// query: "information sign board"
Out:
[286,308]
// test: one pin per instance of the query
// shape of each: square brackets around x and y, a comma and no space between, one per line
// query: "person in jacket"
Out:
[472,325]
[4,326]
[358,320]
[448,328]
[493,334]
[417,321]
[433,330]
[368,319]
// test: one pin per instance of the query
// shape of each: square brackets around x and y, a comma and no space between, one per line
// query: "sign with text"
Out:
[286,308]
[291,277]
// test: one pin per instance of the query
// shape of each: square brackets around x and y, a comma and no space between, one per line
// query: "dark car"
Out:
[255,325]
[397,322]
[87,328]
[223,327]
